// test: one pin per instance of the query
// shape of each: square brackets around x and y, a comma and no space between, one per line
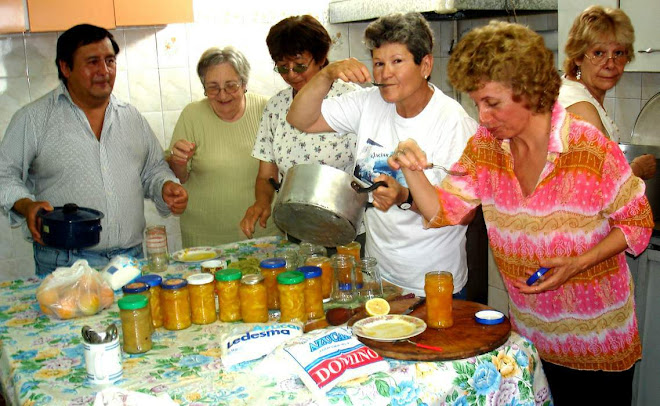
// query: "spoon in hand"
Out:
[381,84]
[449,171]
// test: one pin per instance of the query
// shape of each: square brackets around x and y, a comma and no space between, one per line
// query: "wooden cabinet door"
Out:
[644,15]
[13,16]
[152,12]
[60,15]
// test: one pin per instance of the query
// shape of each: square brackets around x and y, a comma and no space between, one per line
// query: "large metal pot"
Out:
[70,227]
[652,185]
[320,204]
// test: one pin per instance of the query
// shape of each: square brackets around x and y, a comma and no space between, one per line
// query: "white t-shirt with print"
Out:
[280,143]
[404,249]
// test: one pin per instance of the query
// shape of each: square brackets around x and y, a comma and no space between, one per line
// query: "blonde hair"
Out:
[510,54]
[591,26]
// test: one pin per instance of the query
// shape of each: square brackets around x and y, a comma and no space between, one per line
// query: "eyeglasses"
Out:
[298,68]
[230,87]
[599,58]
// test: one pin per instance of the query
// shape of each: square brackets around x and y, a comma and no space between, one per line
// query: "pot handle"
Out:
[371,188]
[275,184]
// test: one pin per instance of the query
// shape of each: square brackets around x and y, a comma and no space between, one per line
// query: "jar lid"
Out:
[229,274]
[252,279]
[132,302]
[537,275]
[151,280]
[135,287]
[316,259]
[310,271]
[200,279]
[273,263]
[290,278]
[174,283]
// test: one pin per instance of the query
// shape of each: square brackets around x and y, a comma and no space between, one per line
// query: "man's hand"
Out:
[175,196]
[29,209]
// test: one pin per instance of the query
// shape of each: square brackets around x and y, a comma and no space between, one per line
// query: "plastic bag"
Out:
[245,342]
[73,292]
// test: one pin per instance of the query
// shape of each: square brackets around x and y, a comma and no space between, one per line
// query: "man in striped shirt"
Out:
[79,144]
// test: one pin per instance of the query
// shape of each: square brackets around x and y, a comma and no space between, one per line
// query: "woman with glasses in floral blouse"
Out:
[210,150]
[299,46]
[599,45]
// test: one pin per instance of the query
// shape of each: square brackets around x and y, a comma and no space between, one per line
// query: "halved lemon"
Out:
[377,307]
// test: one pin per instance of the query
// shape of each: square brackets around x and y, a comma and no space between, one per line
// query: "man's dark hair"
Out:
[74,38]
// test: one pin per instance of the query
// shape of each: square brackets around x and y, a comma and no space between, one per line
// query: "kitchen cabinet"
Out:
[60,15]
[13,16]
[152,12]
[49,15]
[644,15]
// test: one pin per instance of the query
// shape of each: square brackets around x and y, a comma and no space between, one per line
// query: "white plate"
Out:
[391,327]
[196,254]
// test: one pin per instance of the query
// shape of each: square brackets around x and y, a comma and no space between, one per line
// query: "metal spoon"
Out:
[648,50]
[381,84]
[110,333]
[91,336]
[449,171]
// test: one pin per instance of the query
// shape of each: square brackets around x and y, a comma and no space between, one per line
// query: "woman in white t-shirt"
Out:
[402,105]
[599,45]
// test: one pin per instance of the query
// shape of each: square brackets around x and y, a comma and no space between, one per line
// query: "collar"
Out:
[61,92]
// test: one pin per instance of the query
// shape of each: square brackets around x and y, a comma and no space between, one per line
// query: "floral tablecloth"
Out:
[41,363]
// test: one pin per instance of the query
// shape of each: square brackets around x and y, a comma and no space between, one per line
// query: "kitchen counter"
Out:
[41,363]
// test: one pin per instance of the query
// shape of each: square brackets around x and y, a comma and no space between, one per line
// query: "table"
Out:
[41,363]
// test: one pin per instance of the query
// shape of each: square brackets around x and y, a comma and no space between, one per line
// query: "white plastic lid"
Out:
[200,279]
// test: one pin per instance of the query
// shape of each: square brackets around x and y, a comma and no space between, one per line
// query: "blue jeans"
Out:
[46,259]
[461,294]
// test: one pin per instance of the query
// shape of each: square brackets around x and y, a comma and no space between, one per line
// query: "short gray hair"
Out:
[215,56]
[410,29]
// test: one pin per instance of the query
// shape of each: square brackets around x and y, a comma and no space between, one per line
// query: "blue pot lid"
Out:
[71,213]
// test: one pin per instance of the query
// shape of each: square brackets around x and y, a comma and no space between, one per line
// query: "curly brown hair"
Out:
[510,54]
[591,26]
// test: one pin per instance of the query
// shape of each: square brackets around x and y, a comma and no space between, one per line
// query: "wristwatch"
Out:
[408,203]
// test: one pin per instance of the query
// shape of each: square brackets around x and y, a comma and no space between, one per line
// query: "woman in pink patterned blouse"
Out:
[555,193]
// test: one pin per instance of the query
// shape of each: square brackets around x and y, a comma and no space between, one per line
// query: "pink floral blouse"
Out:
[585,189]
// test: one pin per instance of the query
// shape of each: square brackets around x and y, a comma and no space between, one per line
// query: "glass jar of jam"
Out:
[292,296]
[353,249]
[175,302]
[439,288]
[202,298]
[138,288]
[227,284]
[270,268]
[327,274]
[135,323]
[154,281]
[313,292]
[254,307]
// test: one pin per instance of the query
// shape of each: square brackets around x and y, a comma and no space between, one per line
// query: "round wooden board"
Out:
[466,338]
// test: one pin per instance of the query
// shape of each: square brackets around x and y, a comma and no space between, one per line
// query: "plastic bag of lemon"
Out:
[73,292]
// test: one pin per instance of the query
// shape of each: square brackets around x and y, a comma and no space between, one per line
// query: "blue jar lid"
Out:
[310,271]
[135,287]
[536,275]
[151,280]
[273,263]
[174,283]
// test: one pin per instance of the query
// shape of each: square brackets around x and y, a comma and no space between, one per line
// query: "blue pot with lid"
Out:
[70,227]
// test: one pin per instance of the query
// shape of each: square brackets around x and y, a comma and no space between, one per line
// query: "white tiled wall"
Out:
[156,73]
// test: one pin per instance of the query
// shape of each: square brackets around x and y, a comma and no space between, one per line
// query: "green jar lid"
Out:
[229,274]
[133,302]
[290,278]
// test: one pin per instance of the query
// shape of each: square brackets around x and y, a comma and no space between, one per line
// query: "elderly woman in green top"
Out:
[211,147]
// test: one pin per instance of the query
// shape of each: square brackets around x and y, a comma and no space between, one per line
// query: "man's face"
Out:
[92,76]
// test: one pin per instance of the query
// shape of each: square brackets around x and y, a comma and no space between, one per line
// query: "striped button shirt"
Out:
[50,153]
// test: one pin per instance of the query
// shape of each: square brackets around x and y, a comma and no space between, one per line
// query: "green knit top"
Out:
[222,173]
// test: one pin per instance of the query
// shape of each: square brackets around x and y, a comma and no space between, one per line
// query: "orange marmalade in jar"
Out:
[313,292]
[227,284]
[327,273]
[353,249]
[254,308]
[175,303]
[439,288]
[139,288]
[292,296]
[154,281]
[270,268]
[202,298]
